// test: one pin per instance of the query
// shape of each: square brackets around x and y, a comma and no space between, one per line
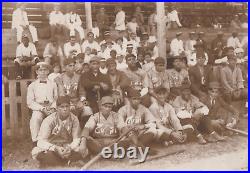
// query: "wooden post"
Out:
[88,15]
[161,29]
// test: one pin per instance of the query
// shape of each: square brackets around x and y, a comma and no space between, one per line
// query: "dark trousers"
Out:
[23,71]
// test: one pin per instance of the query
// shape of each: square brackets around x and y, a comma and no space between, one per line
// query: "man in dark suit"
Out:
[199,76]
[215,103]
[94,84]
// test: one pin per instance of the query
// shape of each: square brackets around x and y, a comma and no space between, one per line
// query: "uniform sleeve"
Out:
[149,118]
[122,114]
[175,122]
[44,133]
[91,124]
[32,104]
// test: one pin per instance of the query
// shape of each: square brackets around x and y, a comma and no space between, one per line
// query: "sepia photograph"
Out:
[125,86]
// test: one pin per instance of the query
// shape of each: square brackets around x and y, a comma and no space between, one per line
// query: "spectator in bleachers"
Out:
[176,45]
[173,18]
[152,23]
[20,22]
[104,52]
[120,19]
[74,23]
[217,47]
[102,21]
[229,53]
[152,43]
[201,39]
[91,43]
[134,40]
[41,99]
[56,72]
[139,20]
[121,62]
[72,48]
[119,46]
[132,26]
[57,21]
[26,57]
[232,81]
[53,52]
[234,41]
[199,51]
[103,69]
[235,23]
[95,29]
[189,44]
[149,62]
[244,44]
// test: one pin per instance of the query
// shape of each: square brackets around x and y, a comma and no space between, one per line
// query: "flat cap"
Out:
[94,59]
[68,61]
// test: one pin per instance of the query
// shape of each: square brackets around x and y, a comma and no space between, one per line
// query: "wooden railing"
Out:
[15,113]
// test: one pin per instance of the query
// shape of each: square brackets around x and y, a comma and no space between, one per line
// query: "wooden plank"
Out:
[4,125]
[13,109]
[24,108]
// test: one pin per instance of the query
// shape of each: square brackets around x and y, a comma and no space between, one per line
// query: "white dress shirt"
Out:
[176,47]
[19,18]
[56,18]
[120,21]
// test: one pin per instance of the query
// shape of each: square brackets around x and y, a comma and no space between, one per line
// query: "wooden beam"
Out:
[88,15]
[161,29]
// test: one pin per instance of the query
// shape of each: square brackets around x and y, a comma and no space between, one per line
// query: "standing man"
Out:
[59,139]
[41,98]
[26,57]
[94,84]
[102,21]
[56,21]
[120,19]
[218,46]
[234,41]
[174,19]
[20,22]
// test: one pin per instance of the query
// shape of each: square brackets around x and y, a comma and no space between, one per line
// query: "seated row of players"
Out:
[101,106]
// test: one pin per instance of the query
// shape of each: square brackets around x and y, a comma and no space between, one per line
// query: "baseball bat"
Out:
[238,131]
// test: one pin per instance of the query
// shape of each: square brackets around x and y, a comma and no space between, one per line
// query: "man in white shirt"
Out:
[56,21]
[234,41]
[20,22]
[73,22]
[132,26]
[91,43]
[72,48]
[26,57]
[176,45]
[174,19]
[120,19]
[189,45]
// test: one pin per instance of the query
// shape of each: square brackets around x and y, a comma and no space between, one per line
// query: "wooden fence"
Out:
[15,113]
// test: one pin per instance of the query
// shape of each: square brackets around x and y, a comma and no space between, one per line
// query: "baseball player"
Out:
[41,97]
[59,139]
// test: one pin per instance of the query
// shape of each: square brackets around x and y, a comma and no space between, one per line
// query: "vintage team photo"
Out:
[125,86]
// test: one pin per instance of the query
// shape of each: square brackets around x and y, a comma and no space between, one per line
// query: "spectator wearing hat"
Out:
[149,62]
[56,72]
[107,37]
[217,47]
[173,18]
[121,62]
[102,128]
[199,52]
[234,41]
[168,125]
[59,138]
[104,52]
[176,45]
[103,69]
[190,111]
[102,20]
[120,82]
[119,46]
[152,44]
[132,26]
[73,23]
[232,81]
[26,57]
[215,104]
[201,39]
[95,29]
[140,59]
[158,77]
[133,39]
[235,22]
[130,50]
[199,76]
[91,43]
[94,84]
[20,22]
[137,115]
[72,48]
[57,21]
[119,19]
[189,44]
[177,76]
[53,52]
[41,98]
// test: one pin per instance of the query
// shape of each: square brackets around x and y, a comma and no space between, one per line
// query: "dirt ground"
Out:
[221,155]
